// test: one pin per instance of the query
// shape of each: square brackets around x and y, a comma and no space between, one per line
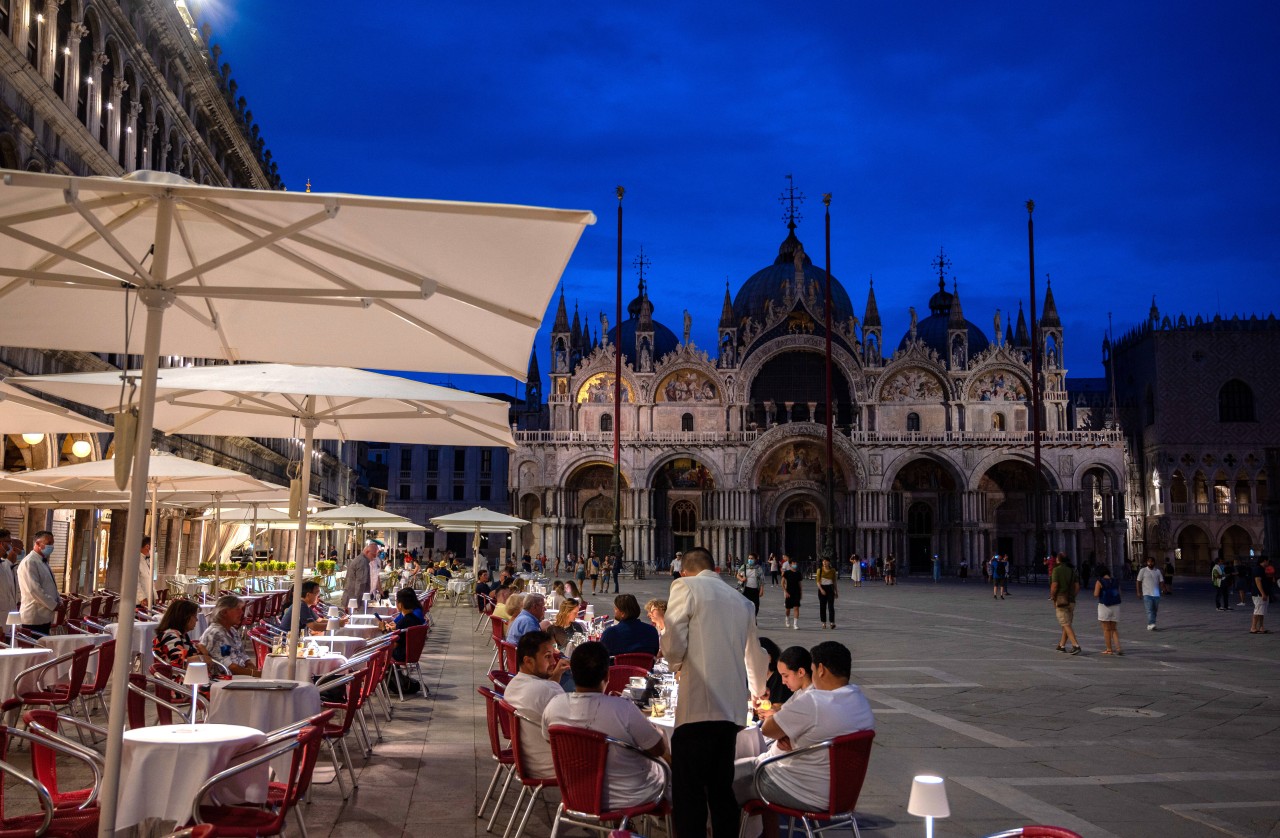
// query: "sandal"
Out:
[1118,652]
[1107,652]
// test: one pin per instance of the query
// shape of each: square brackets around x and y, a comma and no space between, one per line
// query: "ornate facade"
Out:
[932,449]
[1198,401]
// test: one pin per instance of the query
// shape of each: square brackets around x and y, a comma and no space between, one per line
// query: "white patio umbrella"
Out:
[478,520]
[232,266]
[21,412]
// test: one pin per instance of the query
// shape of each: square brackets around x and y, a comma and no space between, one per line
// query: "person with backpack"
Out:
[999,576]
[1107,591]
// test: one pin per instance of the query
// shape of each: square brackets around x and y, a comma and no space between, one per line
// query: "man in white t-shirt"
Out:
[1150,581]
[630,779]
[537,682]
[833,707]
[676,564]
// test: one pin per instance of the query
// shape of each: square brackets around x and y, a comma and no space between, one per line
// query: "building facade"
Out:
[933,452]
[1199,402]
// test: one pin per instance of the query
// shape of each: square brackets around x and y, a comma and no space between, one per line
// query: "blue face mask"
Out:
[751,562]
[46,551]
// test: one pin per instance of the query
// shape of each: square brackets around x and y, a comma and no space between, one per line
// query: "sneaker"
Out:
[1220,608]
[824,625]
[833,626]
[795,624]
[1151,627]
[1075,650]
[1061,648]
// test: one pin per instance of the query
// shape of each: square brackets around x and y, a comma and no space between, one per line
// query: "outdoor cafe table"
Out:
[277,666]
[13,661]
[365,631]
[162,768]
[258,703]
[750,742]
[342,644]
[61,644]
[144,634]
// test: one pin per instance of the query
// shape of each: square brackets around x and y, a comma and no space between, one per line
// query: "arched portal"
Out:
[925,504]
[791,387]
[1008,506]
[1193,551]
[800,530]
[1236,544]
[591,497]
[678,491]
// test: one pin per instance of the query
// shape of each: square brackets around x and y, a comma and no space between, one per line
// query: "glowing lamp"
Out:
[33,439]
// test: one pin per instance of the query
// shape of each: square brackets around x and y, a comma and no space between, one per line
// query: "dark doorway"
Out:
[801,541]
[599,542]
[1004,546]
[919,538]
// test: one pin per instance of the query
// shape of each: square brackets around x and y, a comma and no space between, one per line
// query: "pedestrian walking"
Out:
[855,570]
[1064,584]
[937,568]
[791,580]
[827,592]
[1150,583]
[1107,591]
[999,576]
[1264,590]
[773,569]
[615,569]
[752,581]
[891,570]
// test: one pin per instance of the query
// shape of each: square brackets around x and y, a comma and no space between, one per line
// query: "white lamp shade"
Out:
[367,596]
[33,439]
[13,618]
[928,797]
[197,673]
[352,605]
[81,448]
[334,612]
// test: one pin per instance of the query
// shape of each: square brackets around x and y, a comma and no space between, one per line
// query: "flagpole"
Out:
[1036,396]
[829,542]
[615,543]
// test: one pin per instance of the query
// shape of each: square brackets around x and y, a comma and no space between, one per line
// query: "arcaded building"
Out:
[726,448]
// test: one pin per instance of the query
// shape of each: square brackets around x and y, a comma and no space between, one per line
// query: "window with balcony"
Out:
[459,460]
[406,459]
[686,422]
[486,461]
[433,492]
[913,422]
[433,460]
[459,491]
[486,491]
[997,422]
[606,423]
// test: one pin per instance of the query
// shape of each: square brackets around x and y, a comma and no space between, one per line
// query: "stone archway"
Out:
[1193,551]
[799,519]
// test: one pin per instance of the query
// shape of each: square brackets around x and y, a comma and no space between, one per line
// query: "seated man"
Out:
[831,708]
[224,639]
[482,590]
[537,682]
[629,634]
[630,779]
[312,616]
[533,609]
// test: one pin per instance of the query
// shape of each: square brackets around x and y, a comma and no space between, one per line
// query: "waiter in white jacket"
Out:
[711,642]
[39,590]
[10,553]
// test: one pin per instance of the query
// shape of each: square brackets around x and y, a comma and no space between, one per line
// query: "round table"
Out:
[61,644]
[178,759]
[386,611]
[13,661]
[277,666]
[343,644]
[365,631]
[365,619]
[457,586]
[265,710]
[144,635]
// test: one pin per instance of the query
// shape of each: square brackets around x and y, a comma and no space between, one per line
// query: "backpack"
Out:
[1110,594]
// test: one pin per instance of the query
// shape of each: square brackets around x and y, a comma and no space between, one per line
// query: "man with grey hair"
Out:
[39,590]
[357,584]
[534,608]
[225,639]
[710,640]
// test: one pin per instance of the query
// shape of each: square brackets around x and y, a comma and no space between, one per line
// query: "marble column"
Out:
[118,88]
[71,69]
[47,58]
[93,104]
[131,135]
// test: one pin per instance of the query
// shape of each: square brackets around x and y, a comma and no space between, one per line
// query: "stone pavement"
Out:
[1180,737]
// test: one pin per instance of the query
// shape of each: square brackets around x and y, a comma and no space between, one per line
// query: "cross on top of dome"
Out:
[791,198]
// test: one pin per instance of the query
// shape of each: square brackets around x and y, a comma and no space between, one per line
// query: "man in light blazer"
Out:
[357,584]
[711,641]
[38,588]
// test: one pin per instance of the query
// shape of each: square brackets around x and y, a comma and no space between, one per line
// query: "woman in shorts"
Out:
[1107,591]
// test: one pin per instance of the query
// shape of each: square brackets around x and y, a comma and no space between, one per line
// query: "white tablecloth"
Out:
[162,768]
[265,710]
[457,586]
[364,631]
[751,743]
[363,619]
[13,661]
[343,644]
[308,668]
[144,634]
[61,644]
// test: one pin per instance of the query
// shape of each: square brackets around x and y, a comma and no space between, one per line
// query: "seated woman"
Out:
[173,643]
[410,615]
[556,596]
[224,639]
[509,606]
[565,624]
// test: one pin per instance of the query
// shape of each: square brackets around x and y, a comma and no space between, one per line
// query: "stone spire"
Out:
[1021,337]
[533,383]
[562,317]
[1049,320]
[955,320]
[726,309]
[871,317]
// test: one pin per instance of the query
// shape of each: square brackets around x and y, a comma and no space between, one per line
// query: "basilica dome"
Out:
[767,284]
[640,310]
[945,314]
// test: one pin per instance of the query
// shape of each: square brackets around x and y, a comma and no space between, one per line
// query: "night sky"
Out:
[1148,134]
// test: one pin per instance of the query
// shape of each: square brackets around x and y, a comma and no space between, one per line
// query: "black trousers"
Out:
[702,779]
[41,630]
[1222,595]
[752,594]
[826,605]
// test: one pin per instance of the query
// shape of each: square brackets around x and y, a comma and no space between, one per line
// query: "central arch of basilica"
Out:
[932,449]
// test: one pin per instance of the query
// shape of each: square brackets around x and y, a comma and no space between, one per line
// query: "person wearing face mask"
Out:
[752,579]
[37,587]
[10,553]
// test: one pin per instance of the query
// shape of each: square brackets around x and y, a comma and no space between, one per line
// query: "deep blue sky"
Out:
[1147,133]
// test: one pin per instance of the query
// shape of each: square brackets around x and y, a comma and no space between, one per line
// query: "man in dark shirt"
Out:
[629,634]
[482,590]
[1264,591]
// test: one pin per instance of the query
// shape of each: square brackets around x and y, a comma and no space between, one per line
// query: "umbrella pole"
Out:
[475,553]
[156,302]
[150,586]
[300,546]
[217,546]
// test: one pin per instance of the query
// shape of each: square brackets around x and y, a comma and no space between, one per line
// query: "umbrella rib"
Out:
[394,272]
[460,345]
[60,210]
[215,318]
[253,245]
[51,260]
[115,244]
[65,255]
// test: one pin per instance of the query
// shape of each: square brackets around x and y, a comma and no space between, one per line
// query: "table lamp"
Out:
[352,605]
[13,619]
[335,614]
[196,676]
[928,800]
[367,596]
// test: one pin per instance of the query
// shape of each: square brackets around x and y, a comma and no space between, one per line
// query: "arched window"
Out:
[606,422]
[684,518]
[1235,402]
[686,422]
[997,422]
[913,422]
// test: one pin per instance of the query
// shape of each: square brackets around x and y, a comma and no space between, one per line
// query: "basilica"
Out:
[726,449]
